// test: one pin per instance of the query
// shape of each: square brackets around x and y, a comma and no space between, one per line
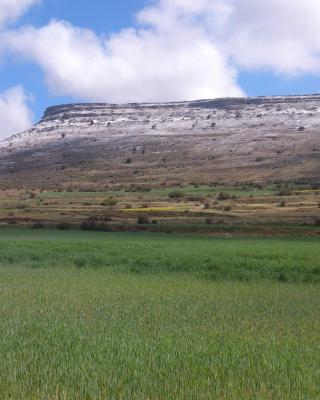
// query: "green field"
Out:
[87,315]
[165,191]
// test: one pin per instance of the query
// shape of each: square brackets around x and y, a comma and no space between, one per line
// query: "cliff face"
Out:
[223,140]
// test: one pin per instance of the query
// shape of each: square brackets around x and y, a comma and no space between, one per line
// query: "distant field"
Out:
[204,190]
[88,315]
[287,209]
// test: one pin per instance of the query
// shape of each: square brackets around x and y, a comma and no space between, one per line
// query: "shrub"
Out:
[195,198]
[283,203]
[285,192]
[63,226]
[38,225]
[89,225]
[227,208]
[106,218]
[176,195]
[109,202]
[209,221]
[206,206]
[21,206]
[223,196]
[143,220]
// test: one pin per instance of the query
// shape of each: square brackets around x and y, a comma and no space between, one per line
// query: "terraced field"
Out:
[287,209]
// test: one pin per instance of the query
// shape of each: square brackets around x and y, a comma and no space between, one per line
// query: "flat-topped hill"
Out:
[91,146]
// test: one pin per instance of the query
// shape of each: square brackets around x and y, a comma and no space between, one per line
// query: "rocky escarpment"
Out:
[210,141]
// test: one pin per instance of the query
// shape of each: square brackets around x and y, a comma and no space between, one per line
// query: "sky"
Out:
[65,51]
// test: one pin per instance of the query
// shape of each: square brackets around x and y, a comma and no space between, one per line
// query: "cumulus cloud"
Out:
[15,114]
[143,65]
[10,10]
[178,50]
[282,35]
[154,62]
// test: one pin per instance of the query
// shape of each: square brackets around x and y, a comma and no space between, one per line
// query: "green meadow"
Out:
[93,315]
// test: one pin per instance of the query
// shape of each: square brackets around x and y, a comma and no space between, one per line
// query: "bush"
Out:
[314,186]
[227,208]
[145,189]
[38,225]
[63,226]
[285,192]
[196,198]
[223,196]
[176,195]
[89,225]
[109,202]
[106,218]
[143,220]
[283,203]
[21,206]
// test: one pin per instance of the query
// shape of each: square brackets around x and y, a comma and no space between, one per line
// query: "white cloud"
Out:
[151,63]
[180,49]
[15,115]
[282,35]
[10,10]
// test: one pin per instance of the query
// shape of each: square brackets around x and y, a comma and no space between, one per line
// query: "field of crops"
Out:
[87,315]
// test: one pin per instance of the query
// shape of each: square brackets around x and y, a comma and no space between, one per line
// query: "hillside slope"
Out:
[95,146]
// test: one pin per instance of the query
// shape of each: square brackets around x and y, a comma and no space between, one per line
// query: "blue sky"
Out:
[61,51]
[102,16]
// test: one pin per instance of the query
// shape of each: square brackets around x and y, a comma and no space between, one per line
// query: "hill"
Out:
[98,146]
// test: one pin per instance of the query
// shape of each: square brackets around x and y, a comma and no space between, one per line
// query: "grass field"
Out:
[87,315]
